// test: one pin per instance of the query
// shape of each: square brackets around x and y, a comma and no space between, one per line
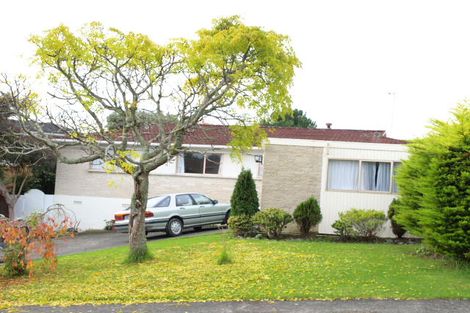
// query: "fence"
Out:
[89,212]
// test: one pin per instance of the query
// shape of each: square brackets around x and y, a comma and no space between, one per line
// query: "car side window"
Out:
[200,199]
[165,202]
[182,200]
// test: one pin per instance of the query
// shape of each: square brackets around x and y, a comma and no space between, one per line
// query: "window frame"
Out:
[359,176]
[205,155]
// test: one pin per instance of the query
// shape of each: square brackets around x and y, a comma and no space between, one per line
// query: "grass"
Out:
[186,269]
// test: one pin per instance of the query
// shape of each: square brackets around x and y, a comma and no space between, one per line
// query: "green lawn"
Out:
[186,269]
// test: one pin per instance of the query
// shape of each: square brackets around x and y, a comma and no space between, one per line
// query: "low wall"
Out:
[90,212]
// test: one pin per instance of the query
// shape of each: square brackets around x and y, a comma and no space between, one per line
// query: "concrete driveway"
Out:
[91,241]
[350,306]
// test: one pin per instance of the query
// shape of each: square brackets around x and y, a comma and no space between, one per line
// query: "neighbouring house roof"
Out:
[220,135]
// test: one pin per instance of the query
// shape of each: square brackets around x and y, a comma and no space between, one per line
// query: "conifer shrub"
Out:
[397,229]
[244,199]
[434,186]
[307,214]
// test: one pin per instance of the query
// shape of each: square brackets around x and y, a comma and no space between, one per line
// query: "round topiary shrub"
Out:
[272,221]
[241,225]
[307,214]
[358,223]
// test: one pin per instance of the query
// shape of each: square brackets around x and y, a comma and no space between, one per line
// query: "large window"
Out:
[361,175]
[198,163]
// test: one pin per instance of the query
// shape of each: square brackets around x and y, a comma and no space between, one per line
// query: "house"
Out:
[342,168]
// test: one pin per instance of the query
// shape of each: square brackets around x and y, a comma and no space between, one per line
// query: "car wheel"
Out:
[227,216]
[174,227]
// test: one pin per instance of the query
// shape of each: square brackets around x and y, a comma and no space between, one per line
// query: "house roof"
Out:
[220,135]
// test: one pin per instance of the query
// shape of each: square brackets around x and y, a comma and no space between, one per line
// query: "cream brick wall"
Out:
[78,180]
[291,175]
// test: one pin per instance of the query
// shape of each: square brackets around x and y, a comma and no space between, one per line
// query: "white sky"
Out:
[354,53]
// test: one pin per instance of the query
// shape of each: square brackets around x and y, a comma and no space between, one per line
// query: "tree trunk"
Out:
[137,238]
[9,200]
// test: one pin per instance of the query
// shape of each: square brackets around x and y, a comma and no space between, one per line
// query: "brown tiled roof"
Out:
[220,135]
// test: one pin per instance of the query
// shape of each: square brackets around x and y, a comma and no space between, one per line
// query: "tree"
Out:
[297,118]
[307,214]
[144,119]
[244,199]
[434,186]
[24,164]
[229,71]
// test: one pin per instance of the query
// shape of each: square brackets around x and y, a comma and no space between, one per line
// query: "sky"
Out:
[389,65]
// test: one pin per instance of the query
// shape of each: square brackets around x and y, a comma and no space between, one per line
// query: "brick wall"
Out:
[291,175]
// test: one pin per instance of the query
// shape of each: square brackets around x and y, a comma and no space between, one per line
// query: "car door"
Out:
[187,209]
[210,213]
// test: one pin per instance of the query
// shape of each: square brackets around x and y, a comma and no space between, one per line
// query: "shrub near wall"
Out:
[272,221]
[244,204]
[307,214]
[357,223]
[244,200]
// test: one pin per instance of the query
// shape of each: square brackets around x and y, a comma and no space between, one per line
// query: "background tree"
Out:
[244,200]
[23,164]
[232,73]
[434,186]
[297,118]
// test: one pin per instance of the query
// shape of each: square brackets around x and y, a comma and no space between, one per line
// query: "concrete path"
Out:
[356,306]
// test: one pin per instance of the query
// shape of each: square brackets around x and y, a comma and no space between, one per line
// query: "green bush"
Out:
[397,229]
[241,225]
[359,223]
[224,257]
[343,228]
[307,214]
[244,200]
[272,221]
[434,186]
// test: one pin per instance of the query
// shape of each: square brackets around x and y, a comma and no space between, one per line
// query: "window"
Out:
[182,200]
[198,163]
[362,175]
[212,164]
[375,176]
[165,202]
[342,174]
[396,165]
[200,199]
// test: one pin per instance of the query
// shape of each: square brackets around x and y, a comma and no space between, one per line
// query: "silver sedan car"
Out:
[172,213]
